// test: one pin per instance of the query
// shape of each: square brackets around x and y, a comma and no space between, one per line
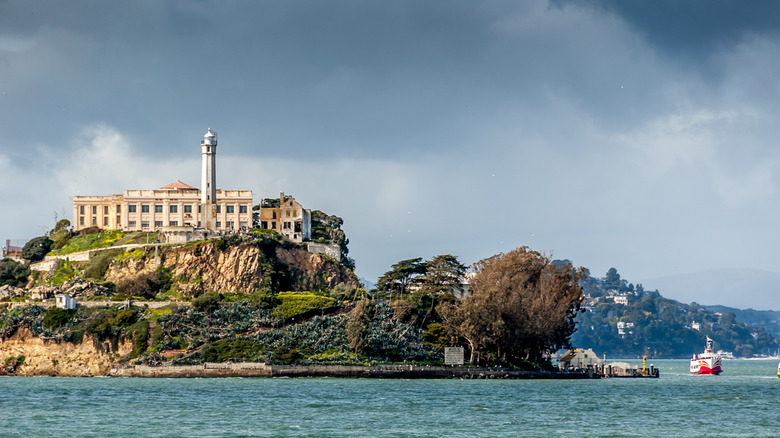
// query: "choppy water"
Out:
[743,402]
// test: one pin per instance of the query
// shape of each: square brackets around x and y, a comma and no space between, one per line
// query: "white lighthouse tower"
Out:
[208,182]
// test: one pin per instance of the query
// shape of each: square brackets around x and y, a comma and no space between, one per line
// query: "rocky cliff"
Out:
[52,358]
[244,268]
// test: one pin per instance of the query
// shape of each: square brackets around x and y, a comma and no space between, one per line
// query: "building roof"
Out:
[178,185]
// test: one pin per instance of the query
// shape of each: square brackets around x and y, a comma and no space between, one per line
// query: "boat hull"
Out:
[706,366]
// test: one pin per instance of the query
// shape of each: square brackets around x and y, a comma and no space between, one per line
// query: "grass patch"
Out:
[65,271]
[103,239]
[137,253]
[302,304]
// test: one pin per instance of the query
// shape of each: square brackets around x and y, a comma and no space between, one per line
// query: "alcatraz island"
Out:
[188,282]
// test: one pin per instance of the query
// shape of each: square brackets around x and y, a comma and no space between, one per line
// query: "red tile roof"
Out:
[178,185]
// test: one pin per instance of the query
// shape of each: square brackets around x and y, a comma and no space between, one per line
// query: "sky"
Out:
[629,134]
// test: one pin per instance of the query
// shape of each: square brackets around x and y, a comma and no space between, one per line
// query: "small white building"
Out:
[695,326]
[623,327]
[579,358]
[66,302]
[621,300]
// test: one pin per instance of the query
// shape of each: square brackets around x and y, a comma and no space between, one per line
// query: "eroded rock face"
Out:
[238,268]
[53,358]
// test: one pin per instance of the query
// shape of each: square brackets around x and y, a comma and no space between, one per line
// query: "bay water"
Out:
[742,402]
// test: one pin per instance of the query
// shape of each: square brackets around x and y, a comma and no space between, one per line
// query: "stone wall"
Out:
[329,249]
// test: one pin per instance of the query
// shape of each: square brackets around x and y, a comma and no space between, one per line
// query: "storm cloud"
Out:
[639,135]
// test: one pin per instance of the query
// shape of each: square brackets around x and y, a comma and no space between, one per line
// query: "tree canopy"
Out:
[36,249]
[521,307]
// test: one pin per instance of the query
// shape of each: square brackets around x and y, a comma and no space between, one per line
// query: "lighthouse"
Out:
[208,182]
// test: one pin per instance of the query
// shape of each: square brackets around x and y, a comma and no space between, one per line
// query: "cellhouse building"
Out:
[172,206]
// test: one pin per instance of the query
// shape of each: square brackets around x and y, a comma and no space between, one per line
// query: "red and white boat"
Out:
[707,362]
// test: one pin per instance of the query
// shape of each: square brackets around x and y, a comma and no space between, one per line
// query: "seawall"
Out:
[253,369]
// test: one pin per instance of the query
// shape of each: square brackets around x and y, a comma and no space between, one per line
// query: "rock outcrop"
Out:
[241,268]
[58,358]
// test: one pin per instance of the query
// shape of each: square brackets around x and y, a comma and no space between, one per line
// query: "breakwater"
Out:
[254,369]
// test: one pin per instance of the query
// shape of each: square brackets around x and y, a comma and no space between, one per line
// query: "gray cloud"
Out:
[602,132]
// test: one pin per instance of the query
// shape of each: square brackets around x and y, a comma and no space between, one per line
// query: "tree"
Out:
[13,273]
[327,229]
[401,275]
[358,325]
[444,273]
[36,249]
[521,307]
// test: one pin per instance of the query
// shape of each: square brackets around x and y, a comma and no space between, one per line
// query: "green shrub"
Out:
[264,299]
[229,350]
[207,302]
[435,335]
[302,304]
[13,273]
[56,318]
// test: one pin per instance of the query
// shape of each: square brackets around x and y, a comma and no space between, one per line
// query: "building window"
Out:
[198,208]
[105,209]
[144,208]
[188,209]
[81,219]
[94,209]
[81,210]
[157,224]
[242,208]
[118,209]
[219,210]
[105,221]
[131,208]
[130,224]
[229,225]
[289,213]
[286,225]
[242,224]
[158,208]
[230,209]
[274,217]
[118,220]
[219,224]
[144,224]
[273,225]
[173,223]
[173,208]
[94,221]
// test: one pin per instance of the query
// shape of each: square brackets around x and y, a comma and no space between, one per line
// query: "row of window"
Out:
[95,209]
[159,224]
[132,208]
[105,221]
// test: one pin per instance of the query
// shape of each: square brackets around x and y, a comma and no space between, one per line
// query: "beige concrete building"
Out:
[174,205]
[289,219]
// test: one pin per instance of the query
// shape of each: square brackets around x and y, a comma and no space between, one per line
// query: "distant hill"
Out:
[737,288]
[768,319]
[624,320]
[367,284]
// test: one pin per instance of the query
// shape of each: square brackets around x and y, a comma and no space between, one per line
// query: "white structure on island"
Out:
[66,302]
[208,180]
[177,207]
